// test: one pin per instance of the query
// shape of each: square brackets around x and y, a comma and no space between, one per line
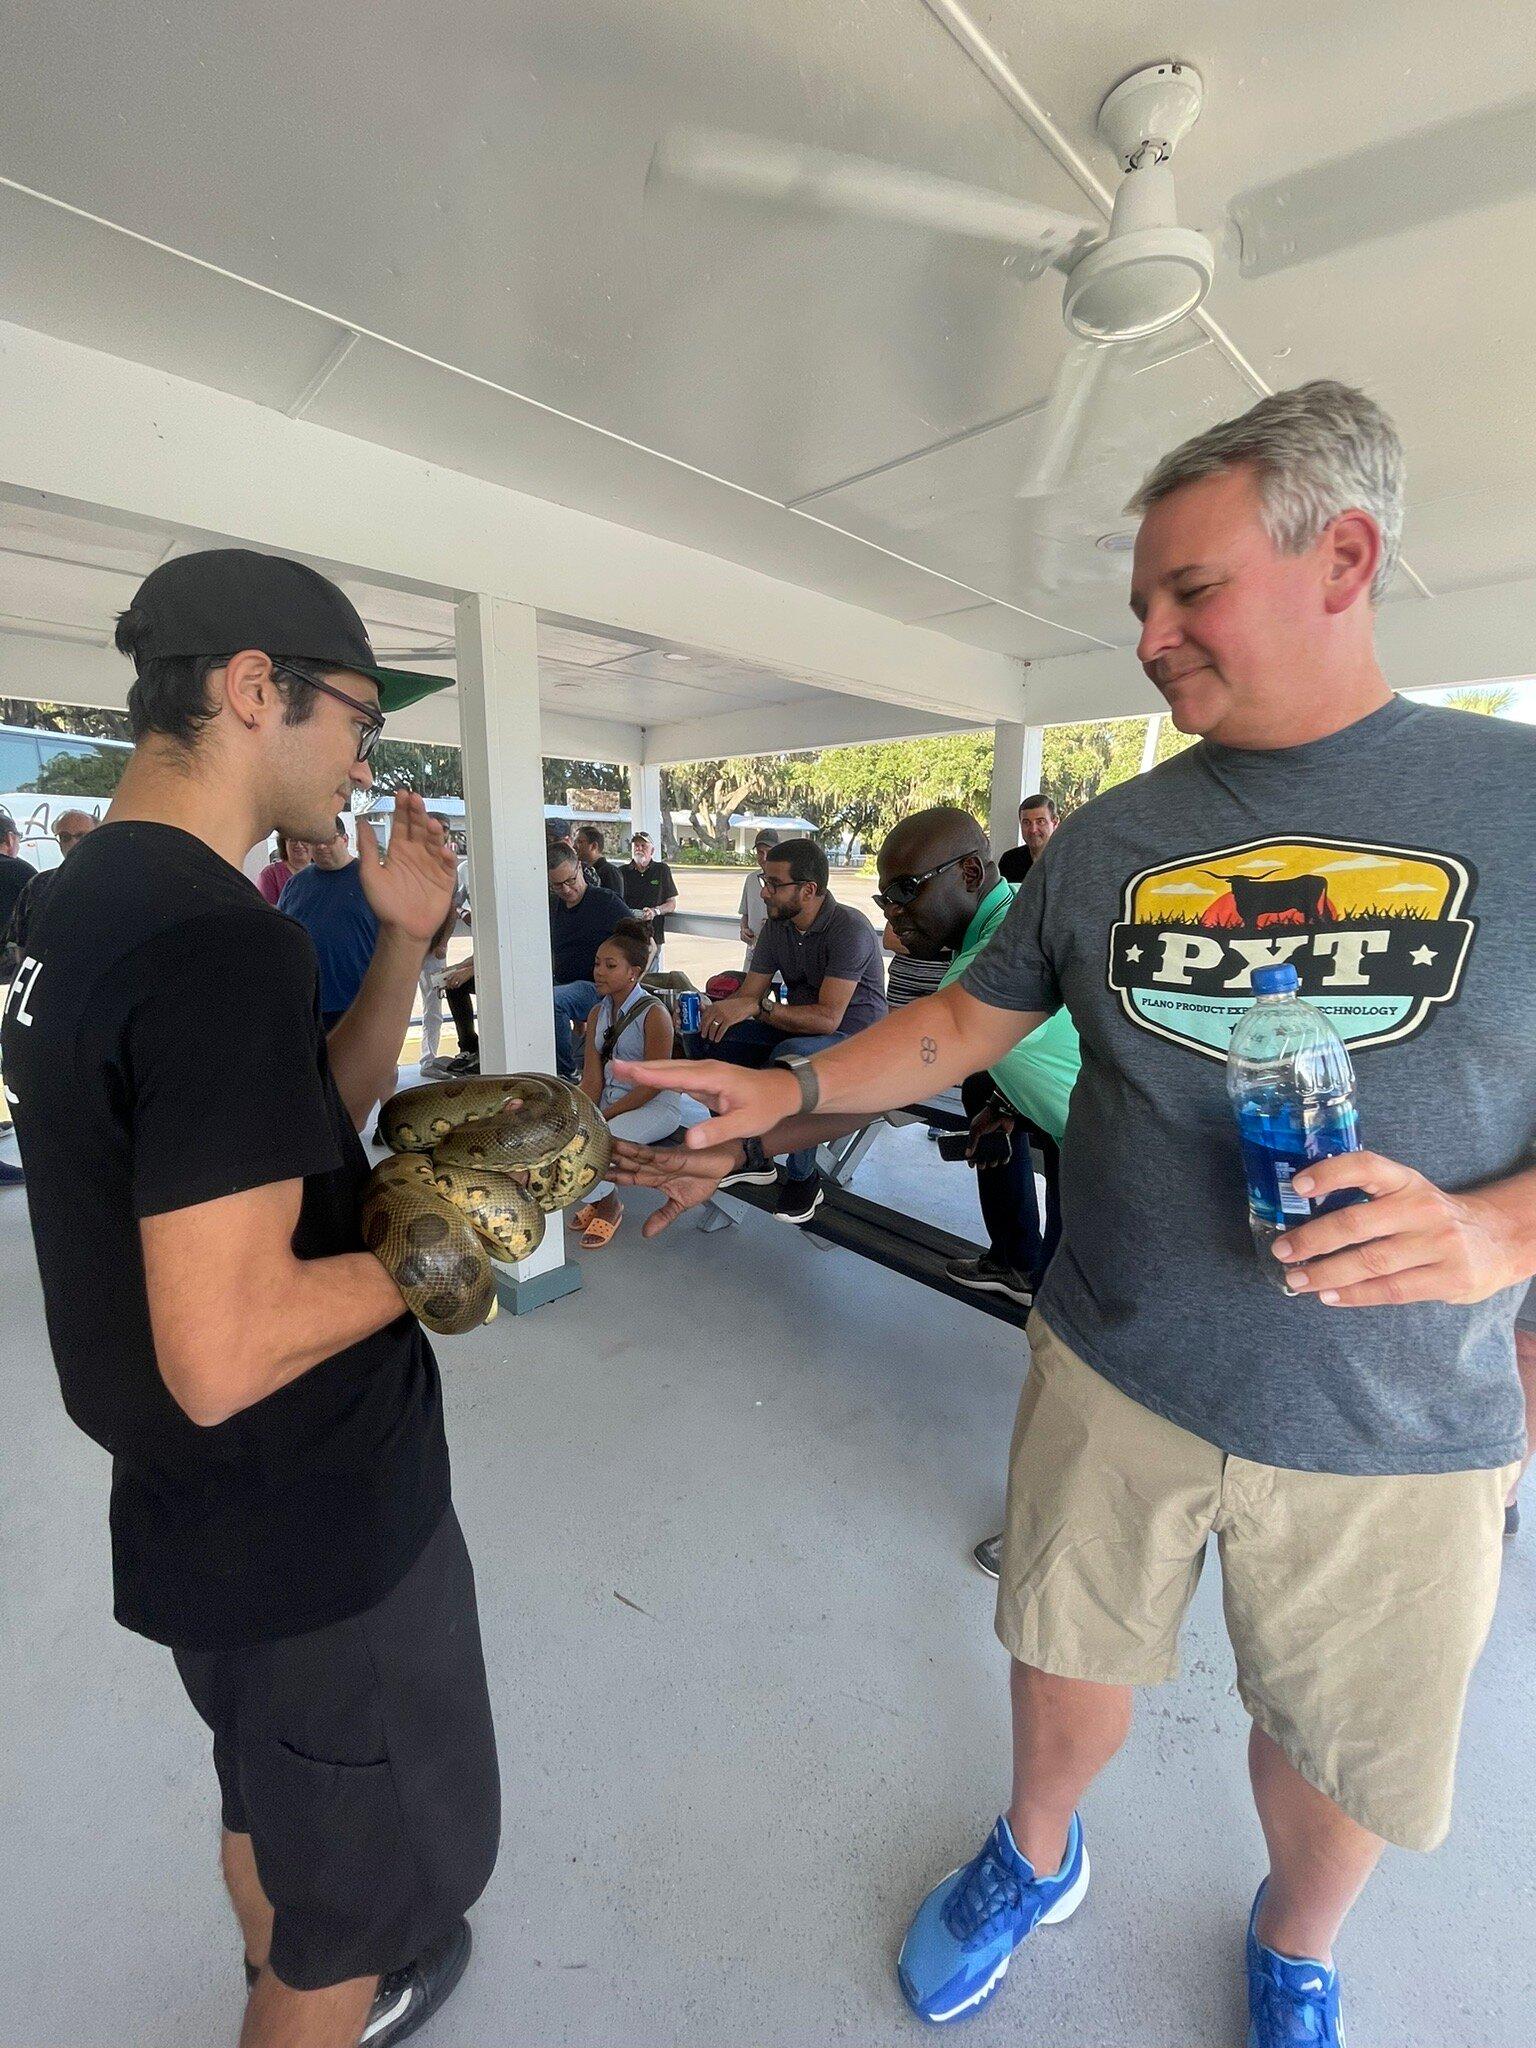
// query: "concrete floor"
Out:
[750,1707]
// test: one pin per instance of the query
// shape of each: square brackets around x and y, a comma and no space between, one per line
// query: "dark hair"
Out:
[8,826]
[592,836]
[804,859]
[169,693]
[767,837]
[1038,802]
[631,938]
[559,853]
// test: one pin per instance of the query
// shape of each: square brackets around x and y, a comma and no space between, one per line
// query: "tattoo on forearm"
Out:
[929,1051]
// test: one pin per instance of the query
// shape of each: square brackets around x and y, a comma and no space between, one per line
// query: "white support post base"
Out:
[498,669]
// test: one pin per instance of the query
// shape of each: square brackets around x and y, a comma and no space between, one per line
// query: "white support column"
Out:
[645,800]
[498,670]
[1016,767]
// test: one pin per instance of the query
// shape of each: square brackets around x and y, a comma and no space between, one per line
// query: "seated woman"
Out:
[627,1024]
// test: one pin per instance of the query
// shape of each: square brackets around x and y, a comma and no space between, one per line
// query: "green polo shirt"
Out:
[1037,1076]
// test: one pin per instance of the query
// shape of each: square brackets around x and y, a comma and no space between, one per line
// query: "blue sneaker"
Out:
[1290,2001]
[959,1946]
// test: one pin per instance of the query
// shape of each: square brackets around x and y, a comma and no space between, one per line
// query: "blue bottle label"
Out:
[1276,1146]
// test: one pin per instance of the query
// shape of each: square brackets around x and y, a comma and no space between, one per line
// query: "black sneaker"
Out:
[1512,1518]
[406,1999]
[989,1555]
[799,1200]
[466,1063]
[11,1176]
[987,1275]
[752,1177]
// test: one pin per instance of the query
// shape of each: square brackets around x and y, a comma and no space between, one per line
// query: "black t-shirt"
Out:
[576,933]
[1015,864]
[162,1039]
[15,874]
[607,876]
[645,887]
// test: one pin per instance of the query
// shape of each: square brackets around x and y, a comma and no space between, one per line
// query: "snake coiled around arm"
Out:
[475,1166]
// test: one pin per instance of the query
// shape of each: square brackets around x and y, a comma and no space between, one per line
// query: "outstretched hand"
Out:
[410,889]
[745,1101]
[688,1178]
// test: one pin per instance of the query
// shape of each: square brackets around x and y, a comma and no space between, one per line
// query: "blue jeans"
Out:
[755,1044]
[574,1001]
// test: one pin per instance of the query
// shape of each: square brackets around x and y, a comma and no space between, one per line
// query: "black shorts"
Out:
[361,1761]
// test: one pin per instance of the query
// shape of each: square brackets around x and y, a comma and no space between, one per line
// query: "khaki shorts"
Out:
[1356,1607]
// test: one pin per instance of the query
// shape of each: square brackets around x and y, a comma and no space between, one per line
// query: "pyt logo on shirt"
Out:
[1376,935]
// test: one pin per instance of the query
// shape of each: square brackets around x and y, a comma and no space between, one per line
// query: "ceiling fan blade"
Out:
[1473,161]
[823,181]
[1063,422]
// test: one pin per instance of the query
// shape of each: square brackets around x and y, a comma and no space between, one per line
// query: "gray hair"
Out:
[1317,451]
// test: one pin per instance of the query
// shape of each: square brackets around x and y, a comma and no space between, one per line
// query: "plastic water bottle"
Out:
[1292,1087]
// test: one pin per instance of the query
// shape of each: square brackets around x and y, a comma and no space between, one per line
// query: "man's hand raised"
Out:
[409,890]
[686,1178]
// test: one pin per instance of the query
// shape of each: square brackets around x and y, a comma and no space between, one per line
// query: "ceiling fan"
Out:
[1143,272]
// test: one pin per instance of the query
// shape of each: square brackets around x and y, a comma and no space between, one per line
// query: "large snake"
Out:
[446,1203]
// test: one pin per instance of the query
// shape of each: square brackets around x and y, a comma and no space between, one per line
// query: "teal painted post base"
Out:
[521,1297]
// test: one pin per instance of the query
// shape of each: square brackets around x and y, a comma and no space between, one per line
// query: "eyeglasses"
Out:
[368,738]
[69,838]
[901,890]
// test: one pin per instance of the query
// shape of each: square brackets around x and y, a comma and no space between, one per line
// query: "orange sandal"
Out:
[582,1219]
[598,1233]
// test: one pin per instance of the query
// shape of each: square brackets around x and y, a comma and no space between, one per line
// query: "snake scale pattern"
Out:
[446,1203]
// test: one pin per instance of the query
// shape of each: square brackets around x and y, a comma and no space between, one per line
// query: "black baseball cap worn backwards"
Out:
[226,599]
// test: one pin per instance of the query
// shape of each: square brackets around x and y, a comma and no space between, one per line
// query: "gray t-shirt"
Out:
[1394,865]
[839,946]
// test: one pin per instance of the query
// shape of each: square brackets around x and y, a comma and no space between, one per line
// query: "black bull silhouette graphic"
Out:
[1259,903]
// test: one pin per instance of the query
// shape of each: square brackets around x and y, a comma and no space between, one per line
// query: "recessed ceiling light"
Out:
[678,657]
[1116,543]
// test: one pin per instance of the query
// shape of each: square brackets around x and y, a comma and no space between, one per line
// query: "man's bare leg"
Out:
[1065,1730]
[279,2017]
[1319,1859]
[253,1909]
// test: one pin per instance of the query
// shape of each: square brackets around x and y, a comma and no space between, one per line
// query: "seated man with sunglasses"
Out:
[832,965]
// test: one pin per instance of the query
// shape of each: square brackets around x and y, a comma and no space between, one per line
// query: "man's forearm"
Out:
[917,1051]
[802,1020]
[365,1046]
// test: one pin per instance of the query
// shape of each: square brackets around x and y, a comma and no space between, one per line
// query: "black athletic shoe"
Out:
[989,1555]
[11,1176]
[1512,1518]
[466,1063]
[799,1200]
[406,1999]
[752,1177]
[987,1275]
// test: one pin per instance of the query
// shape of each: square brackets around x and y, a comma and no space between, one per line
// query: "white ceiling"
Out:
[66,578]
[467,185]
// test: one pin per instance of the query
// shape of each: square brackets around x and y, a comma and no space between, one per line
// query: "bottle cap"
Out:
[1275,981]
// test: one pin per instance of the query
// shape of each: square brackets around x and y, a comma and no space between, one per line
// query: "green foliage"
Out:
[429,771]
[81,774]
[1171,741]
[78,718]
[559,776]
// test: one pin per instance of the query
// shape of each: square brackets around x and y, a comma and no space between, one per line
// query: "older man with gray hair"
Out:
[1348,1435]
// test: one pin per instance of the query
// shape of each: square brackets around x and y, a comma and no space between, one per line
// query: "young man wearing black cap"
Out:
[280,1510]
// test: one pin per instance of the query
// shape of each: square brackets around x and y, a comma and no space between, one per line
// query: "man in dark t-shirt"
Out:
[280,1507]
[329,900]
[600,871]
[1037,821]
[649,890]
[580,918]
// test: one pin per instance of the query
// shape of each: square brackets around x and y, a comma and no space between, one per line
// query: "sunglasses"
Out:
[368,738]
[902,890]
